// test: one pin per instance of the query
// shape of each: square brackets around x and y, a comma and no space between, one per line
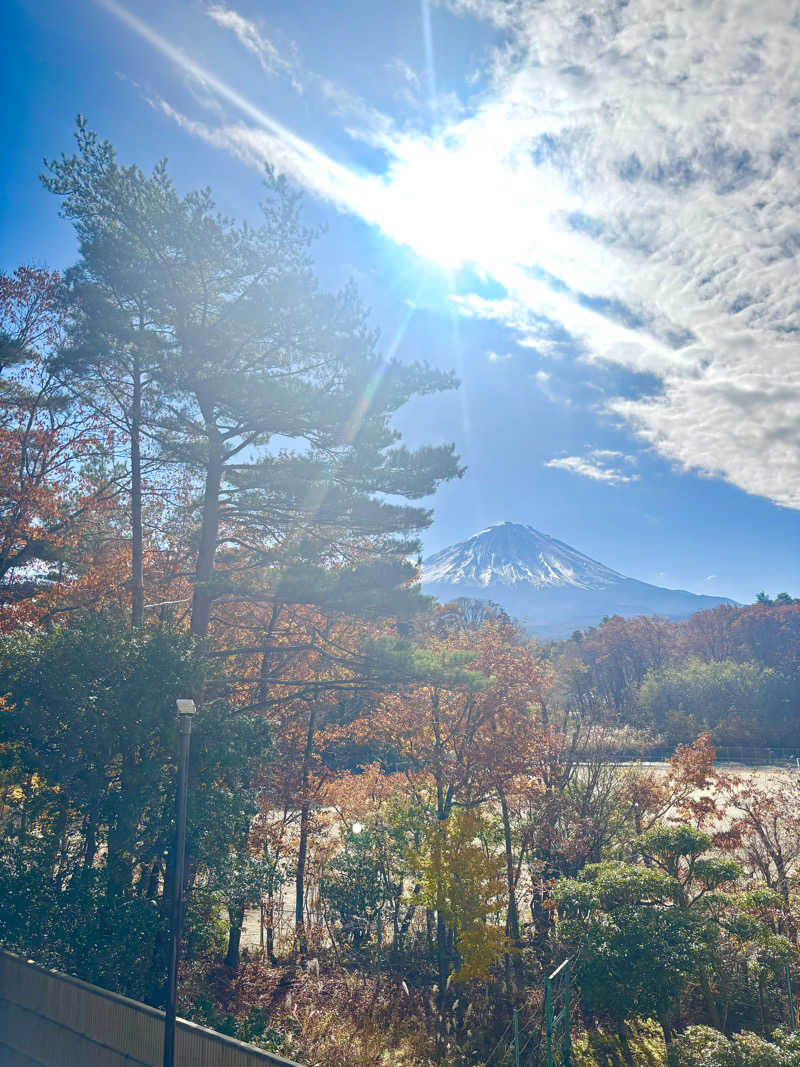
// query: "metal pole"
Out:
[186,710]
[548,1019]
[792,1020]
[567,1025]
[380,938]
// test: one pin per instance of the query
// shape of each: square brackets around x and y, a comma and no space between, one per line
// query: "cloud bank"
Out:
[629,178]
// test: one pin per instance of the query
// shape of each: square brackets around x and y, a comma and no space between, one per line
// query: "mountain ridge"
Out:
[551,587]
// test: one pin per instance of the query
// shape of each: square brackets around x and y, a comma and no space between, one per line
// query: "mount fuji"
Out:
[551,588]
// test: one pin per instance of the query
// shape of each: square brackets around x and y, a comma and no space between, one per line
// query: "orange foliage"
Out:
[687,793]
[47,498]
[469,739]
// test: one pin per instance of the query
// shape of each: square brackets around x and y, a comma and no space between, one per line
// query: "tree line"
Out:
[732,672]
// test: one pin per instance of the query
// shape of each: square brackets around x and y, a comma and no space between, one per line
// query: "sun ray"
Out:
[361,409]
[346,184]
[427,40]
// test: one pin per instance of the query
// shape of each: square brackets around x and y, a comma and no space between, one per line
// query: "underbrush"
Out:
[344,1019]
[639,1044]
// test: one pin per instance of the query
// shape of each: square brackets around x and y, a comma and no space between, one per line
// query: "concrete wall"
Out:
[48,1019]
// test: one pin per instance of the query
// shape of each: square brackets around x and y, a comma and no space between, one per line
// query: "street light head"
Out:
[186,707]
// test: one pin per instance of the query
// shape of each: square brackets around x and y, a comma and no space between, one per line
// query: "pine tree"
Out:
[273,393]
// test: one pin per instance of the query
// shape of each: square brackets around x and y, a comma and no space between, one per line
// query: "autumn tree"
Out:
[370,806]
[687,792]
[599,670]
[463,883]
[315,677]
[46,447]
[768,632]
[763,828]
[464,732]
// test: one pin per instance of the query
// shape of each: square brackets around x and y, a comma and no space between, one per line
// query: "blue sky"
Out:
[587,208]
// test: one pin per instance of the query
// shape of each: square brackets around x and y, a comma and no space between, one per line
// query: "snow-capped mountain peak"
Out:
[508,553]
[551,588]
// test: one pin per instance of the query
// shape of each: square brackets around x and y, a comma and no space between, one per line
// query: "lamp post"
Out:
[186,710]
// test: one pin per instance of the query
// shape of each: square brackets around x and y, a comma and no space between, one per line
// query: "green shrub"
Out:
[700,1046]
[754,1051]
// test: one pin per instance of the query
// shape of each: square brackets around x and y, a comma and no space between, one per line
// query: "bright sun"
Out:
[454,205]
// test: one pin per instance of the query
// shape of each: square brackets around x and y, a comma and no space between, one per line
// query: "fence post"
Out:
[556,1016]
[567,1027]
[792,1020]
[380,937]
[186,710]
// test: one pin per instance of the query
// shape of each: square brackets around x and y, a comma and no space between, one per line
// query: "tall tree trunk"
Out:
[262,695]
[512,916]
[60,840]
[442,943]
[271,927]
[137,536]
[710,1000]
[299,905]
[209,534]
[236,917]
[442,958]
[666,1026]
[302,849]
[122,832]
[90,835]
[443,805]
[263,674]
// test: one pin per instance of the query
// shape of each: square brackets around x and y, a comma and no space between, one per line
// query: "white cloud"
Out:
[408,84]
[645,156]
[365,122]
[594,467]
[249,34]
[676,129]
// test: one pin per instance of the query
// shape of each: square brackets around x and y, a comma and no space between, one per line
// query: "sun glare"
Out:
[448,204]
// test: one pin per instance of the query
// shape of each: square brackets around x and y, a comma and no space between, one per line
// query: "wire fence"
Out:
[743,755]
[520,1043]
